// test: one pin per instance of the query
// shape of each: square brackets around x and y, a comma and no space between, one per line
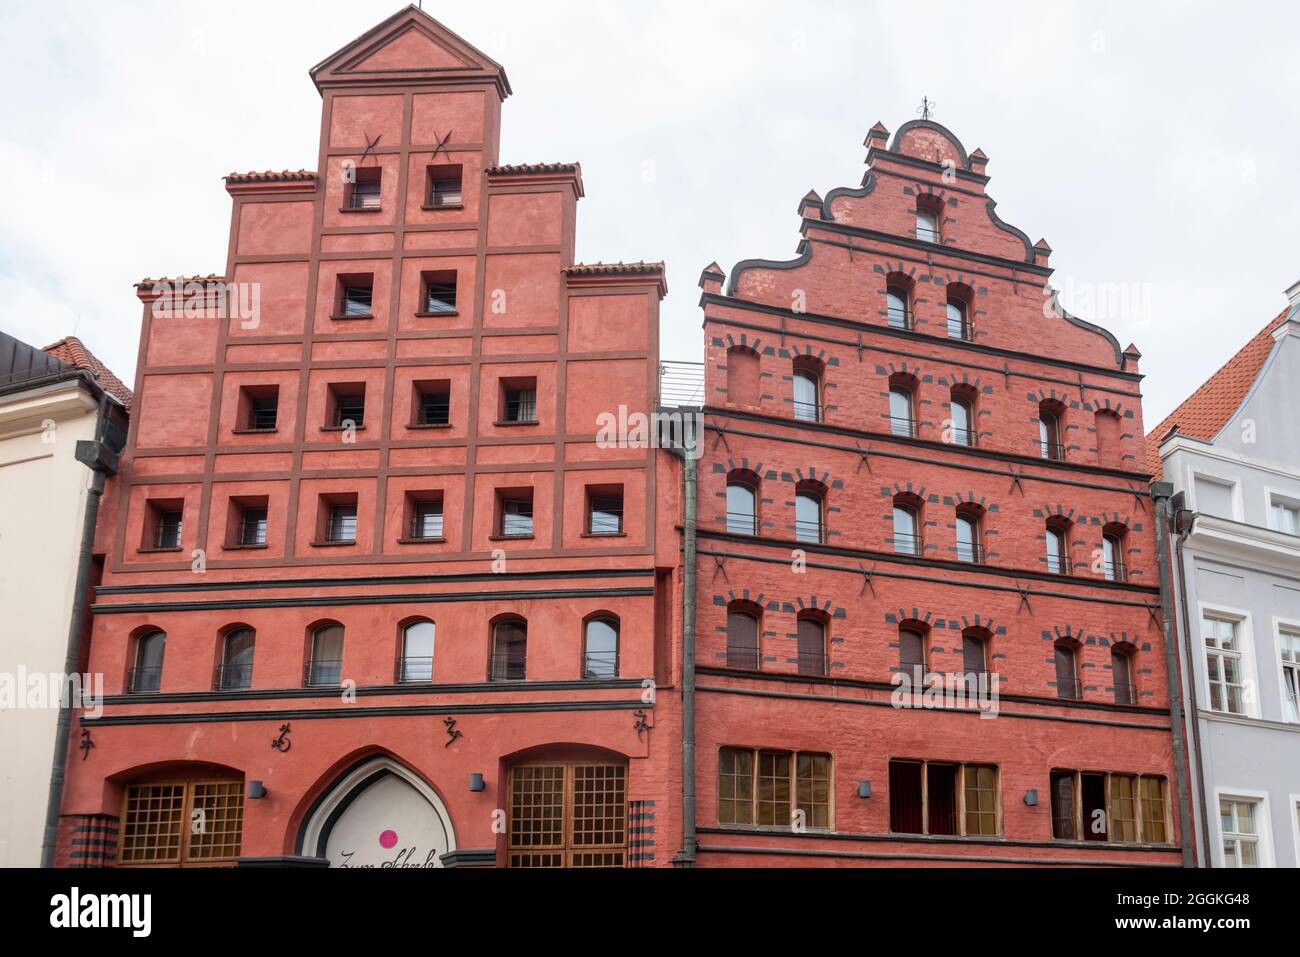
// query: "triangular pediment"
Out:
[408,48]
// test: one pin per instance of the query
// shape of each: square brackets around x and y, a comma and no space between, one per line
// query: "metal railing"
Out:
[233,677]
[904,427]
[508,666]
[813,663]
[968,552]
[809,532]
[1059,565]
[600,664]
[144,680]
[742,523]
[426,526]
[744,659]
[960,330]
[681,384]
[1116,571]
[966,437]
[252,532]
[416,669]
[1054,451]
[364,195]
[323,673]
[167,535]
[1071,688]
[905,544]
[807,411]
[1125,692]
[900,318]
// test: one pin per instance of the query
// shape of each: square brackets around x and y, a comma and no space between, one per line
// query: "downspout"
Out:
[1160,492]
[1194,708]
[688,454]
[98,459]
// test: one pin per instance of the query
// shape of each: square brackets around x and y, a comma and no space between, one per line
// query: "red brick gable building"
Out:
[915,462]
[373,595]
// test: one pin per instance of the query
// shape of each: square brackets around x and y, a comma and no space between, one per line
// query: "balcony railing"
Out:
[807,411]
[1059,565]
[415,669]
[508,666]
[968,552]
[600,664]
[1116,572]
[1125,692]
[233,677]
[1055,451]
[323,673]
[144,680]
[681,384]
[1071,688]
[900,319]
[906,544]
[966,437]
[744,659]
[810,532]
[813,663]
[904,427]
[960,330]
[742,523]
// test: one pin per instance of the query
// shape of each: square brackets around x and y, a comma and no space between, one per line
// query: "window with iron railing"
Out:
[897,311]
[356,300]
[236,669]
[349,409]
[1067,674]
[520,405]
[426,520]
[901,419]
[969,548]
[252,527]
[1121,668]
[600,651]
[742,511]
[325,666]
[509,651]
[807,403]
[439,297]
[434,406]
[808,517]
[907,532]
[1058,555]
[516,516]
[963,422]
[1112,558]
[324,672]
[445,186]
[958,320]
[1049,437]
[811,648]
[341,525]
[742,641]
[365,190]
[263,411]
[167,534]
[416,663]
[927,226]
[605,514]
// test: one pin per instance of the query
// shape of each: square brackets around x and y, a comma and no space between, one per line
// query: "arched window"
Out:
[901,418]
[1067,672]
[1112,556]
[417,651]
[236,671]
[1121,670]
[958,319]
[742,640]
[807,395]
[974,653]
[927,219]
[742,376]
[325,667]
[1049,433]
[911,654]
[812,646]
[1058,550]
[808,516]
[146,674]
[898,306]
[907,528]
[600,656]
[509,650]
[742,506]
[963,420]
[969,546]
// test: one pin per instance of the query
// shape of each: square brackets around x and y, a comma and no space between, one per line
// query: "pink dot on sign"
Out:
[387,839]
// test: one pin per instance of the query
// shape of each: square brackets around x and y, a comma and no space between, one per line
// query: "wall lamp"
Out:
[256,790]
[476,782]
[1031,797]
[864,789]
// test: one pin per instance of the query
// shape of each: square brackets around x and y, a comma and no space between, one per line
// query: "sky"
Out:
[1154,145]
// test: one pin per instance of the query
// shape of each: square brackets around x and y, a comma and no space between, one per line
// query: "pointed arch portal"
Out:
[379,814]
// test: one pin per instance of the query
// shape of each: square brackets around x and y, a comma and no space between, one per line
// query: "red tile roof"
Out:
[74,352]
[271,176]
[533,169]
[614,269]
[1206,411]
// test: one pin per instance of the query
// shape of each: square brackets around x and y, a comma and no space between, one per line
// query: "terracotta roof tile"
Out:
[533,169]
[1207,410]
[614,269]
[74,352]
[271,176]
[176,280]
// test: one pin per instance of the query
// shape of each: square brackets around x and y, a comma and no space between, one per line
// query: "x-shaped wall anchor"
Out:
[1153,611]
[721,432]
[438,144]
[1024,599]
[864,458]
[867,581]
[1016,483]
[370,145]
[719,566]
[1140,500]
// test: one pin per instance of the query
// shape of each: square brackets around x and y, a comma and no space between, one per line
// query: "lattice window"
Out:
[568,815]
[184,823]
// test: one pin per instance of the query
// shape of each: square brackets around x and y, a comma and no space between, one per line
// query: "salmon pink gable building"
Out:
[373,594]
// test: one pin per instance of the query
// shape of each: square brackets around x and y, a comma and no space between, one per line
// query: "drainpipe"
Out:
[103,462]
[688,454]
[1160,492]
[1184,522]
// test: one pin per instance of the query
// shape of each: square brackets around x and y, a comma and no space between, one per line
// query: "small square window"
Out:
[167,528]
[432,403]
[426,519]
[1284,515]
[515,513]
[519,400]
[347,406]
[341,524]
[252,526]
[356,297]
[439,293]
[605,510]
[445,187]
[364,191]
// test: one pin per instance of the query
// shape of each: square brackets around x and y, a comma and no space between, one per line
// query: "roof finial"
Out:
[926,108]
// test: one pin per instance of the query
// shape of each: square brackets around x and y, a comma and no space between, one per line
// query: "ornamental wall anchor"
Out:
[86,744]
[282,743]
[452,733]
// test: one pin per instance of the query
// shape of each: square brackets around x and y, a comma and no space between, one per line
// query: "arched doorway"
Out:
[379,814]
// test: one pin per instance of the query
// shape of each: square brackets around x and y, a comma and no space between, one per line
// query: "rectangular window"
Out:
[445,187]
[347,405]
[341,526]
[604,510]
[767,787]
[185,823]
[356,297]
[1284,515]
[364,191]
[515,513]
[167,533]
[1238,819]
[433,403]
[518,401]
[258,408]
[1290,651]
[939,798]
[252,526]
[1118,808]
[438,293]
[426,520]
[981,800]
[1213,497]
[1223,664]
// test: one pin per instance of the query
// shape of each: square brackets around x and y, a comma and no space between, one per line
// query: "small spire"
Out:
[926,109]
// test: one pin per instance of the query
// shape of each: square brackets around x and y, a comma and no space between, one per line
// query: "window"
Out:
[347,405]
[1049,435]
[515,513]
[438,293]
[1284,515]
[911,655]
[1223,664]
[509,650]
[325,666]
[1112,556]
[167,530]
[807,407]
[1237,819]
[251,531]
[1290,647]
[356,297]
[931,797]
[341,524]
[742,641]
[1067,673]
[927,224]
[958,319]
[444,187]
[259,408]
[236,669]
[811,635]
[1121,669]
[605,510]
[186,823]
[518,401]
[364,191]
[600,654]
[146,675]
[426,519]
[1058,551]
[433,403]
[1214,497]
[898,308]
[416,663]
[567,815]
[963,421]
[1101,806]
[808,516]
[907,533]
[901,421]
[969,548]
[974,654]
[767,788]
[742,514]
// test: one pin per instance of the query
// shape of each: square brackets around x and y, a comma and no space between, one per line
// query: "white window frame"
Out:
[1234,490]
[1262,820]
[1290,501]
[1249,673]
[1291,625]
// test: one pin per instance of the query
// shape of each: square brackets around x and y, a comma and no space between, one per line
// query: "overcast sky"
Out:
[1154,145]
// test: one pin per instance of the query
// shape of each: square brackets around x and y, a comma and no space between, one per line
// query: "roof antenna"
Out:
[926,109]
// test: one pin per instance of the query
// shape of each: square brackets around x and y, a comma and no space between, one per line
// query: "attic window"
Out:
[928,212]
